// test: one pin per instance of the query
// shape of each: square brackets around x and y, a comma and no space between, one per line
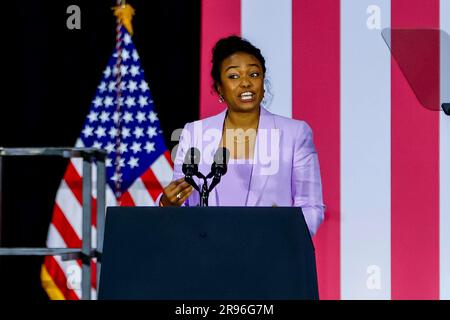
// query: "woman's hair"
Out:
[226,47]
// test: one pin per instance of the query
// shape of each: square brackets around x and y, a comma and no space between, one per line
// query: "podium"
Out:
[207,253]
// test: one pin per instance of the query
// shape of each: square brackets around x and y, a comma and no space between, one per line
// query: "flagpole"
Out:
[120,3]
[117,193]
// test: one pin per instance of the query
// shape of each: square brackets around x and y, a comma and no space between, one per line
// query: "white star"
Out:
[134,70]
[102,86]
[149,147]
[136,147]
[107,72]
[112,86]
[108,101]
[113,132]
[127,39]
[110,147]
[140,116]
[132,85]
[123,86]
[97,145]
[92,116]
[123,70]
[130,102]
[125,55]
[152,116]
[133,162]
[108,162]
[115,71]
[97,101]
[123,147]
[121,162]
[151,131]
[116,116]
[87,131]
[125,132]
[116,177]
[104,116]
[128,117]
[100,132]
[138,132]
[135,55]
[142,101]
[143,86]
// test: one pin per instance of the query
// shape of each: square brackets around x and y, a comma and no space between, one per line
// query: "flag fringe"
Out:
[50,286]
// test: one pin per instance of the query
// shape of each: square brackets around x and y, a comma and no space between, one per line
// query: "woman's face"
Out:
[242,82]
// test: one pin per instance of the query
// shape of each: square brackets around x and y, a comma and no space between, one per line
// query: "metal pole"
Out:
[86,236]
[101,183]
[1,197]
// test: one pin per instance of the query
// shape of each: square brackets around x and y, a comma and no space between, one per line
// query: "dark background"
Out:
[50,75]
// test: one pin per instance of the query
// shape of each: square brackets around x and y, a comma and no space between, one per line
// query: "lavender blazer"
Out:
[285,166]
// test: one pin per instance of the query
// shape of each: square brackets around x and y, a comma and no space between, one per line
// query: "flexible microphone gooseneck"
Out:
[219,166]
[190,167]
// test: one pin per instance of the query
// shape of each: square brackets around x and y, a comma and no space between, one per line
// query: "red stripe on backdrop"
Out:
[316,99]
[219,19]
[415,169]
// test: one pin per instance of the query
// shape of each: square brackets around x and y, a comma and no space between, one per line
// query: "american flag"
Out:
[384,158]
[124,123]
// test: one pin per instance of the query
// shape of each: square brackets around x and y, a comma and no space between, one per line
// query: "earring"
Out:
[221,100]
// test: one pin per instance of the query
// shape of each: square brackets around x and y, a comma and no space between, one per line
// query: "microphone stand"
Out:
[190,169]
[204,194]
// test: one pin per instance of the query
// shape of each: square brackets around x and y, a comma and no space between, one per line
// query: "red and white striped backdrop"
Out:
[384,159]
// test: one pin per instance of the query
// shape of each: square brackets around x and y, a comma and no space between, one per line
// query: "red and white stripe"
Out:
[66,225]
[384,158]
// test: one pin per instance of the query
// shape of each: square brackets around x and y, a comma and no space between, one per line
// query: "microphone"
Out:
[190,166]
[219,166]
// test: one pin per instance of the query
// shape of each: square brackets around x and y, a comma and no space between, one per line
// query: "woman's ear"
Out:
[218,89]
[219,92]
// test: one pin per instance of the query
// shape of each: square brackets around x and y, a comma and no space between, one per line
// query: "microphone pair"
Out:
[218,167]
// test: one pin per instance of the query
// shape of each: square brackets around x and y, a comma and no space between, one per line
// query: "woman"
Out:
[273,161]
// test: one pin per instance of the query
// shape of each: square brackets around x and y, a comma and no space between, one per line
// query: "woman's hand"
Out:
[176,193]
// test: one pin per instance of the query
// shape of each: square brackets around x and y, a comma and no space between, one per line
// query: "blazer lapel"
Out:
[259,172]
[211,129]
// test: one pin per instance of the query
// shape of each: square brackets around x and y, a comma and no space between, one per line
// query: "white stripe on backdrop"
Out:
[444,151]
[268,25]
[365,150]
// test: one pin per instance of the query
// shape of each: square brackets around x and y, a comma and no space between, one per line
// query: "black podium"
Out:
[207,253]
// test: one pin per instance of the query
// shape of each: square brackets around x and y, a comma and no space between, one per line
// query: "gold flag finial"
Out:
[125,13]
